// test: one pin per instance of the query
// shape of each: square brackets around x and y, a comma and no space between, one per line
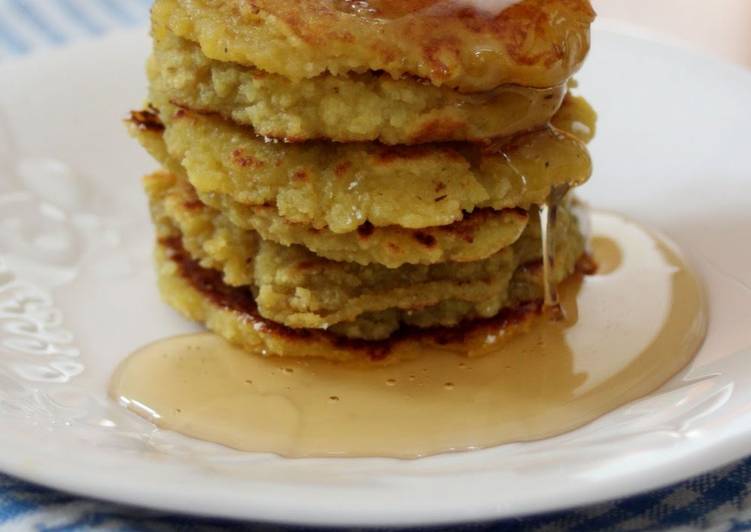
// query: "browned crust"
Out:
[147,120]
[465,229]
[473,222]
[441,33]
[240,300]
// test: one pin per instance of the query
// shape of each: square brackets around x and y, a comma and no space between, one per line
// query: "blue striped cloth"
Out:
[718,501]
[32,25]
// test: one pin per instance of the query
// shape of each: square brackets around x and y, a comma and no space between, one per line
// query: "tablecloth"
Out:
[718,501]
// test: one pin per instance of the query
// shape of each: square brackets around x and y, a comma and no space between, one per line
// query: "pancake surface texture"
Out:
[198,294]
[535,43]
[340,186]
[346,108]
[295,287]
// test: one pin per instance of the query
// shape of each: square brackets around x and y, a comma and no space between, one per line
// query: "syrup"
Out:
[625,331]
[548,217]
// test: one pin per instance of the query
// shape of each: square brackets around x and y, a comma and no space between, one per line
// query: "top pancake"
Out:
[470,46]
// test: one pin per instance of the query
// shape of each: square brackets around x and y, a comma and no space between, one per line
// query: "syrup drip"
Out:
[613,345]
[548,218]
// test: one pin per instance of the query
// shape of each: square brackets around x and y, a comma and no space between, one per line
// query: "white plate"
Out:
[77,294]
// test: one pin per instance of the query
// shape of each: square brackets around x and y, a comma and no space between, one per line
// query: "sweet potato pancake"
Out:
[340,175]
[199,294]
[346,108]
[295,287]
[341,186]
[477,236]
[534,43]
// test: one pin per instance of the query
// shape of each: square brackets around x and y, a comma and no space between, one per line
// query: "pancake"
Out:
[477,236]
[347,108]
[199,294]
[535,43]
[294,287]
[341,186]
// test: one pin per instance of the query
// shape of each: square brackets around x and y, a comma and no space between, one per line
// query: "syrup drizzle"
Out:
[548,218]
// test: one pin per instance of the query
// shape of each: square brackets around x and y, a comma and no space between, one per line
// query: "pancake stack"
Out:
[339,173]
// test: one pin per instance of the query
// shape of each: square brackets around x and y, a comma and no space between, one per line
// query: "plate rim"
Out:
[130,493]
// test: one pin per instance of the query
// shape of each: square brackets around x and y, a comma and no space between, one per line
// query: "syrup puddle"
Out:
[625,331]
